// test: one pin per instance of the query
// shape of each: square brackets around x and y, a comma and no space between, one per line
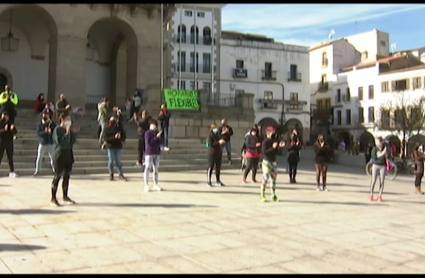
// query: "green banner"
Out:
[181,99]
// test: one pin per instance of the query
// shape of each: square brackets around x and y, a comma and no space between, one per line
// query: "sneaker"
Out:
[54,203]
[380,199]
[12,175]
[274,198]
[166,149]
[146,188]
[254,181]
[371,198]
[121,177]
[156,188]
[244,181]
[68,201]
[325,189]
[209,184]
[111,177]
[294,181]
[219,183]
[35,174]
[230,162]
[263,198]
[318,188]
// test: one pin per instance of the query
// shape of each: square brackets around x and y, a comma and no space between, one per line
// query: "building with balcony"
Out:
[277,74]
[192,47]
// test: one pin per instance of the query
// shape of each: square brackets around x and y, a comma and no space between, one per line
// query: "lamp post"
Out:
[9,43]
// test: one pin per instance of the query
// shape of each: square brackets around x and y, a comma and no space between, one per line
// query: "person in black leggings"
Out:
[252,154]
[418,157]
[293,158]
[215,154]
[143,126]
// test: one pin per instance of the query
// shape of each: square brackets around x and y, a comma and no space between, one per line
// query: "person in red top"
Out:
[39,103]
[252,154]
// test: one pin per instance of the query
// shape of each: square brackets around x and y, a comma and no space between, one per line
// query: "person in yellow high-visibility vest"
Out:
[8,102]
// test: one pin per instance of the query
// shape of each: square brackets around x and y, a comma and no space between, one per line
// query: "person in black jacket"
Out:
[322,151]
[269,150]
[7,133]
[164,119]
[226,133]
[293,158]
[142,127]
[252,154]
[114,136]
[215,154]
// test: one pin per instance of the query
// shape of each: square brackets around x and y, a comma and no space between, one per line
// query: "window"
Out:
[268,95]
[383,43]
[193,62]
[371,115]
[192,85]
[416,83]
[371,92]
[399,117]
[348,117]
[293,72]
[239,64]
[361,115]
[181,85]
[206,33]
[348,95]
[293,96]
[181,33]
[207,86]
[338,95]
[360,93]
[206,60]
[385,118]
[324,59]
[181,61]
[294,105]
[338,117]
[238,92]
[399,85]
[385,88]
[324,78]
[201,14]
[194,34]
[188,13]
[364,55]
[268,69]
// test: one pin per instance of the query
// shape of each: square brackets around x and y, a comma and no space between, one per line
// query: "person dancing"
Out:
[269,149]
[379,162]
[215,154]
[252,154]
[293,158]
[322,151]
[418,158]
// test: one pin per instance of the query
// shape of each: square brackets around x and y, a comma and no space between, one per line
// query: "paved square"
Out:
[190,228]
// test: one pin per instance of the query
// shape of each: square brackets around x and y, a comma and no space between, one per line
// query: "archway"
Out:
[5,78]
[30,62]
[113,70]
[3,81]
[296,124]
[365,139]
[396,141]
[415,139]
[346,137]
[265,122]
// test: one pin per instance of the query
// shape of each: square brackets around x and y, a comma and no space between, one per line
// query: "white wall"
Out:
[97,79]
[371,42]
[30,77]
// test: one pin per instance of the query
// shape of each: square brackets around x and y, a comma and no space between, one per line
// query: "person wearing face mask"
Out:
[39,103]
[7,133]
[64,138]
[114,136]
[321,160]
[379,160]
[418,157]
[143,126]
[252,154]
[8,101]
[102,119]
[215,153]
[293,158]
[45,141]
[226,132]
[137,102]
[62,106]
[153,143]
[164,119]
[269,149]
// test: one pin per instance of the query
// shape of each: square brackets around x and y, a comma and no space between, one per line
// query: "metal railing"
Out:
[268,74]
[200,68]
[294,76]
[323,86]
[190,39]
[90,99]
[223,100]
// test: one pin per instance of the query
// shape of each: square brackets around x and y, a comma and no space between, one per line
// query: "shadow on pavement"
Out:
[335,203]
[7,247]
[34,211]
[143,205]
[215,192]
[5,185]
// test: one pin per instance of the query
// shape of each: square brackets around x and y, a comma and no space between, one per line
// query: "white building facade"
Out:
[194,35]
[277,75]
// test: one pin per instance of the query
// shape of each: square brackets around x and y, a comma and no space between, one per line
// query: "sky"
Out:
[309,24]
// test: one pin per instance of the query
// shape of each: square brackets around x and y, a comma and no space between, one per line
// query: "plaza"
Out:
[190,228]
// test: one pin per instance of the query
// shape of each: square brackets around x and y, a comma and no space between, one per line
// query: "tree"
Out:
[404,114]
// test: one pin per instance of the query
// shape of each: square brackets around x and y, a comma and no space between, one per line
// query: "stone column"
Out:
[69,71]
[131,80]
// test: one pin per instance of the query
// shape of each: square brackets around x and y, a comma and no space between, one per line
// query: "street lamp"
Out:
[9,43]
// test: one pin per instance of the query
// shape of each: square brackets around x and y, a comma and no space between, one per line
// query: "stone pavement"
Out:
[190,228]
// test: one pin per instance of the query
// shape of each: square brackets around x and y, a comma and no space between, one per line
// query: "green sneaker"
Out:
[15,137]
[263,198]
[275,198]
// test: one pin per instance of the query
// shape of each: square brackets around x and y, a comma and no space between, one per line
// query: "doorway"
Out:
[3,82]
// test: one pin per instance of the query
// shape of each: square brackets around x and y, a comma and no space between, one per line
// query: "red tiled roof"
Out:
[382,60]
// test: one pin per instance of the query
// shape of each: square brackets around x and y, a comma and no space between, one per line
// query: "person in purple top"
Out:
[153,143]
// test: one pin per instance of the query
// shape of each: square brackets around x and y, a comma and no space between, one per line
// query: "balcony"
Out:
[269,75]
[322,113]
[188,39]
[201,68]
[294,76]
[240,73]
[324,62]
[295,105]
[323,87]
